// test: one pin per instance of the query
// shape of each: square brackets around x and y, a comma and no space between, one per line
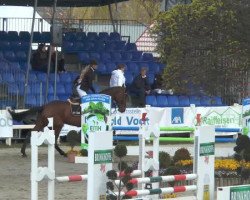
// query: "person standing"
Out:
[39,59]
[117,77]
[86,81]
[140,86]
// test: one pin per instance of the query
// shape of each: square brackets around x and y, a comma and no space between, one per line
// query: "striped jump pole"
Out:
[167,190]
[76,178]
[180,177]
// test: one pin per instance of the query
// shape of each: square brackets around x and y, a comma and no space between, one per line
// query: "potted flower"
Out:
[73,139]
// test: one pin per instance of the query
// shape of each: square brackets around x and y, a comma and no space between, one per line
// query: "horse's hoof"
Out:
[24,156]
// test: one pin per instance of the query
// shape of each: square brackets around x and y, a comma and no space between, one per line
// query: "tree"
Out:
[205,45]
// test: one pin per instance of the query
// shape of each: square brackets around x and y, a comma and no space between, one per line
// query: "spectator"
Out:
[86,79]
[140,86]
[60,62]
[117,77]
[158,85]
[39,59]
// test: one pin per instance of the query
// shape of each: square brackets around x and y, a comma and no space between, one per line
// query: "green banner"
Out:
[207,149]
[240,193]
[103,156]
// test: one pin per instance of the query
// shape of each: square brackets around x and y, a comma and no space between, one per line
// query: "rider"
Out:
[86,79]
[117,76]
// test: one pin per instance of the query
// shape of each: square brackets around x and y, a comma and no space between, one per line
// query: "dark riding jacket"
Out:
[87,82]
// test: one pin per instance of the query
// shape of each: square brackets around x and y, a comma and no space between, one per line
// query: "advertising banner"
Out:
[6,130]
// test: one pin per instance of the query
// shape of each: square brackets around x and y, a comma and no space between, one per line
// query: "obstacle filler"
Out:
[203,163]
[40,173]
[176,130]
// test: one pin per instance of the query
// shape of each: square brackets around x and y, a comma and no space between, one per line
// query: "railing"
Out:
[133,29]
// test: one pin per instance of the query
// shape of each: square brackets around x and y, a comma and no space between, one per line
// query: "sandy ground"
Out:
[15,176]
[15,173]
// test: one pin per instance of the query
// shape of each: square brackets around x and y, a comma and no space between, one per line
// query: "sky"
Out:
[17,12]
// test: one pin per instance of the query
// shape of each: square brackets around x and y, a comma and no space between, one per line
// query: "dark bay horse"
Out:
[61,113]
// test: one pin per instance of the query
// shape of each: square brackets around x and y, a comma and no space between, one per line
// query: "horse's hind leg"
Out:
[25,143]
[58,129]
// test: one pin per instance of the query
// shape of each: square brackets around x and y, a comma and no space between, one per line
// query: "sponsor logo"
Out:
[177,116]
[103,156]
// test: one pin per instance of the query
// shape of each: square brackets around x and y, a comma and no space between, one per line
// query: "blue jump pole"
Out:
[125,128]
[126,138]
[228,130]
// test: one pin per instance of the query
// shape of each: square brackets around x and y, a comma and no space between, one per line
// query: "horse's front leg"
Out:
[57,132]
[27,138]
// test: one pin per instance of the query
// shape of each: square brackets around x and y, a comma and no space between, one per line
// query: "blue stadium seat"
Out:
[32,77]
[114,36]
[92,36]
[3,36]
[51,97]
[8,77]
[130,47]
[1,55]
[96,87]
[46,37]
[1,79]
[162,100]
[74,75]
[8,103]
[4,66]
[88,46]
[24,36]
[41,76]
[37,37]
[79,46]
[68,88]
[116,56]
[37,88]
[14,66]
[24,46]
[110,46]
[65,78]
[4,46]
[173,100]
[99,46]
[133,68]
[147,57]
[63,97]
[184,101]
[206,101]
[21,88]
[119,45]
[15,45]
[30,100]
[94,56]
[126,56]
[143,64]
[13,36]
[151,78]
[84,57]
[105,57]
[52,78]
[195,100]
[161,66]
[68,46]
[81,36]
[129,78]
[101,68]
[13,88]
[216,101]
[21,56]
[60,89]
[103,36]
[69,36]
[153,68]
[20,77]
[110,66]
[151,100]
[136,55]
[10,56]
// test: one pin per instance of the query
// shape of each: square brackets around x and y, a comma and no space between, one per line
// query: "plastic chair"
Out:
[13,36]
[151,100]
[173,100]
[184,101]
[162,101]
[24,36]
[114,36]
[147,57]
[195,100]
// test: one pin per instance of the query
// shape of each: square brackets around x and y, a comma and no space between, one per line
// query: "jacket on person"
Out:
[117,78]
[39,59]
[87,82]
[141,83]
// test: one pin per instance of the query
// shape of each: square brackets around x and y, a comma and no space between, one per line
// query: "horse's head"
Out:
[118,95]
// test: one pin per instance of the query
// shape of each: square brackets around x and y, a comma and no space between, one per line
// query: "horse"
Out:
[61,113]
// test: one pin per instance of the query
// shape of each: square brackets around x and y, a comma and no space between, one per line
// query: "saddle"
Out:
[75,105]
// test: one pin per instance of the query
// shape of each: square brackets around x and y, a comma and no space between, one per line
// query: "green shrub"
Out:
[181,154]
[164,159]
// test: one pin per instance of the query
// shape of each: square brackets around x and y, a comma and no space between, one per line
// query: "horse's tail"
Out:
[31,113]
